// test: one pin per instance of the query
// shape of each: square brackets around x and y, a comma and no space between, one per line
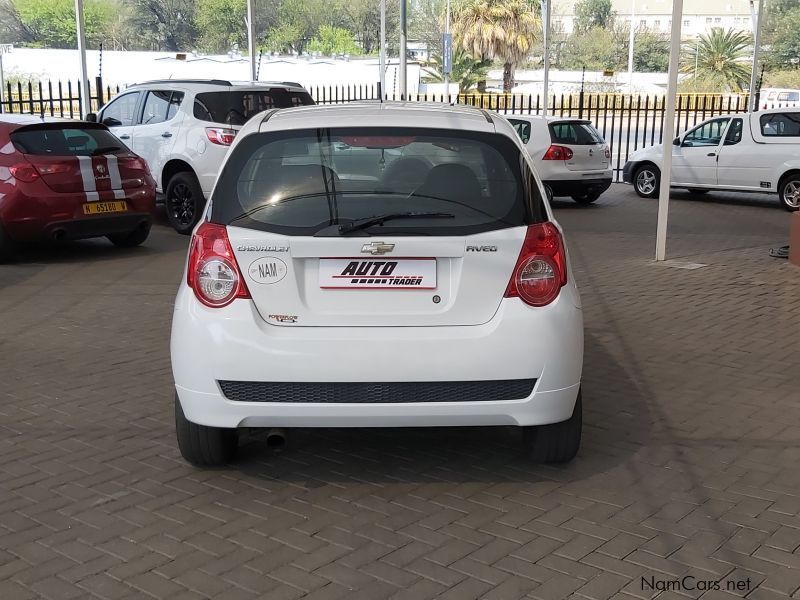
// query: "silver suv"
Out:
[183,129]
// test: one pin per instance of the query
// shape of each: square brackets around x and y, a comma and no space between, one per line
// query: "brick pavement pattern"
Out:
[689,464]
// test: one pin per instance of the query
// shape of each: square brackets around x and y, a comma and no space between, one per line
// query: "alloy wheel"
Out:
[791,193]
[181,204]
[646,181]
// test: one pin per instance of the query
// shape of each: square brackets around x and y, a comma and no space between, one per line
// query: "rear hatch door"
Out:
[293,206]
[83,157]
[587,145]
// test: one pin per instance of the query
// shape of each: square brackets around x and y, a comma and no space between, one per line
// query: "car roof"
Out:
[208,85]
[375,114]
[548,118]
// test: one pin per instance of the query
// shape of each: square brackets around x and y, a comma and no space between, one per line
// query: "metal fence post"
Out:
[98,83]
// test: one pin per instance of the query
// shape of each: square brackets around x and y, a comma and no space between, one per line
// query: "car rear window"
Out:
[788,96]
[67,139]
[575,133]
[304,182]
[236,107]
[780,125]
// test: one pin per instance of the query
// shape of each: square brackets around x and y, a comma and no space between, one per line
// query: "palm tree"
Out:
[719,57]
[497,29]
[467,71]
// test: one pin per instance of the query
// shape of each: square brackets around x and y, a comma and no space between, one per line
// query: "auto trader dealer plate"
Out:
[390,274]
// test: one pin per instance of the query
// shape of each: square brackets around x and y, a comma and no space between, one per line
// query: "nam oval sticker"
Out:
[267,269]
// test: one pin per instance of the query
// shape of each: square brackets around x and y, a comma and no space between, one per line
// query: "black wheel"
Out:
[204,446]
[586,198]
[646,180]
[789,191]
[698,191]
[556,443]
[548,192]
[7,247]
[130,239]
[184,202]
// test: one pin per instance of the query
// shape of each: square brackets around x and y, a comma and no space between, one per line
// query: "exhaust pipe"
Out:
[276,439]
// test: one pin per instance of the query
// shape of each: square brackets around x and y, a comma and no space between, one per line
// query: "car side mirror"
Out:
[111,122]
[676,141]
[91,117]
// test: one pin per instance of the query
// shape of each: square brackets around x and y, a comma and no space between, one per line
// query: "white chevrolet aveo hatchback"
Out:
[377,265]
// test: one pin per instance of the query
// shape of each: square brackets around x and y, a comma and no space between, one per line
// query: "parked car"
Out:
[183,129]
[569,154]
[753,152]
[321,292]
[778,98]
[67,180]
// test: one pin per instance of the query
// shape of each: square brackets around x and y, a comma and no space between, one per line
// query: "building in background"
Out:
[699,16]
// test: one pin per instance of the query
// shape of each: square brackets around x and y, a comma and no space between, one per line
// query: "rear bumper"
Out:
[36,215]
[568,187]
[79,229]
[627,172]
[543,346]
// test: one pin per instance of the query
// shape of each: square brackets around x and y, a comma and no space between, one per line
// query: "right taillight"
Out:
[220,135]
[213,272]
[556,152]
[541,269]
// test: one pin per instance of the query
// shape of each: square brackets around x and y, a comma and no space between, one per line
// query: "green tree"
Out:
[221,24]
[597,48]
[333,40]
[498,30]
[285,38]
[719,57]
[51,23]
[363,18]
[164,24]
[593,13]
[650,52]
[466,70]
[783,39]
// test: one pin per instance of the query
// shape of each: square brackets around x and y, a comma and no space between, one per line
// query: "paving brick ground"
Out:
[689,465]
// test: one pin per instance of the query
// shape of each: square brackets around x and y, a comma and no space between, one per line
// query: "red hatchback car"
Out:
[69,180]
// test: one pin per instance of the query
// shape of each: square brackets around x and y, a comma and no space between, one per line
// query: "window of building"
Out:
[687,23]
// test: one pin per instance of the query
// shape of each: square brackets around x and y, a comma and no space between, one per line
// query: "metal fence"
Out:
[627,121]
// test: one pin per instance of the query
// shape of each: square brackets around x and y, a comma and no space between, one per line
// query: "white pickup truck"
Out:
[753,152]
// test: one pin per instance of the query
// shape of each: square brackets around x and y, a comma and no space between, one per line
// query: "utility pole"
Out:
[251,38]
[756,19]
[447,56]
[86,99]
[631,41]
[546,57]
[382,54]
[403,31]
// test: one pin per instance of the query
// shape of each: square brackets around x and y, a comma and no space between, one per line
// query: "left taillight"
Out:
[213,272]
[541,269]
[220,136]
[24,172]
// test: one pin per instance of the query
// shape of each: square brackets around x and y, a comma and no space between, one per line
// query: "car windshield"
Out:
[236,107]
[65,139]
[303,182]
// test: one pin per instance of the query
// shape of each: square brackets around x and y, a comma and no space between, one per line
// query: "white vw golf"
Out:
[377,265]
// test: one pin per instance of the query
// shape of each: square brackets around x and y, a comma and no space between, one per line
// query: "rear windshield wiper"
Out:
[381,219]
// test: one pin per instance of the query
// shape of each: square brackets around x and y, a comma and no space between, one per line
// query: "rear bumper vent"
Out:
[378,393]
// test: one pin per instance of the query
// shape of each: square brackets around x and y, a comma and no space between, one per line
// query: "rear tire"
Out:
[184,202]
[586,198]
[131,239]
[201,445]
[7,247]
[556,443]
[789,191]
[646,180]
[698,191]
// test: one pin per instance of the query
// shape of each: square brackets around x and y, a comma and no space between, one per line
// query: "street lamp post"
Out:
[86,100]
[546,57]
[382,54]
[756,19]
[447,47]
[403,30]
[251,38]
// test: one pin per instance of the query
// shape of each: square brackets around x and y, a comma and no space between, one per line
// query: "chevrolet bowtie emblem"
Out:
[377,248]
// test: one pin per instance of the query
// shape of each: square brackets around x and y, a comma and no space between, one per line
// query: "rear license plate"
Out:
[95,208]
[374,274]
